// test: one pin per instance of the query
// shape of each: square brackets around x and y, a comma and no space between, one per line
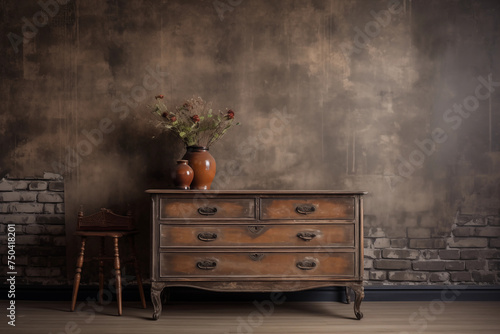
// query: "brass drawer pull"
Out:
[306,265]
[207,236]
[305,209]
[206,264]
[306,236]
[207,211]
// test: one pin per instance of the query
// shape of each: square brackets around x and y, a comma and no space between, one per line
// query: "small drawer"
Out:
[257,264]
[308,208]
[207,208]
[296,235]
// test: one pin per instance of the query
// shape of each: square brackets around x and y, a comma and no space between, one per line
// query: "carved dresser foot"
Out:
[359,291]
[156,289]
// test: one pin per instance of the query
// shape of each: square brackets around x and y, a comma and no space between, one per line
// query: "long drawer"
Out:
[308,208]
[207,208]
[295,235]
[256,264]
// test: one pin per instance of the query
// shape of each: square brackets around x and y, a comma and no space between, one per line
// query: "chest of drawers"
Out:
[263,241]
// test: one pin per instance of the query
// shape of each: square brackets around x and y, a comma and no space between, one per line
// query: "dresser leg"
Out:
[156,289]
[347,295]
[359,291]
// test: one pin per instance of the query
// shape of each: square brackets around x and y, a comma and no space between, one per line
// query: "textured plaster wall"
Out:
[331,94]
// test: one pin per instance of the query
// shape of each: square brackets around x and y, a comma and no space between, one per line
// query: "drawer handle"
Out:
[207,211]
[305,209]
[206,264]
[306,236]
[306,265]
[207,236]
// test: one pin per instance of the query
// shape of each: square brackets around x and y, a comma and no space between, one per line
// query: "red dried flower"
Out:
[230,114]
[173,118]
[164,115]
[159,96]
[195,118]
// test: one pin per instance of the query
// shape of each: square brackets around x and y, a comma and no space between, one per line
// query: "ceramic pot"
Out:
[183,175]
[203,165]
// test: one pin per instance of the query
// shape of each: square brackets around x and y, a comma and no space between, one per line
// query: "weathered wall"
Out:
[389,98]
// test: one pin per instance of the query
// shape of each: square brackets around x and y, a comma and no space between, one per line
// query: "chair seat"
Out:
[112,234]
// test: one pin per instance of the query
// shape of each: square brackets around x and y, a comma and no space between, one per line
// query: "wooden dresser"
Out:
[266,241]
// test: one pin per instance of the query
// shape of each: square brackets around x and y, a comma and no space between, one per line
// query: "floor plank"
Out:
[235,318]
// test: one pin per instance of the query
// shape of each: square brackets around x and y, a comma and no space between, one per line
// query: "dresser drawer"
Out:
[296,235]
[207,208]
[256,264]
[308,208]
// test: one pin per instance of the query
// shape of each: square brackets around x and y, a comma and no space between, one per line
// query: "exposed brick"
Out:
[377,275]
[455,265]
[460,276]
[56,186]
[468,242]
[493,220]
[366,275]
[418,232]
[50,219]
[400,254]
[375,232]
[397,232]
[52,176]
[372,253]
[483,276]
[59,208]
[474,254]
[449,254]
[427,243]
[26,208]
[38,261]
[368,263]
[34,229]
[407,276]
[42,272]
[59,241]
[440,233]
[367,243]
[430,254]
[439,277]
[475,265]
[488,231]
[48,208]
[10,196]
[27,240]
[471,220]
[382,243]
[55,229]
[391,264]
[5,185]
[27,196]
[463,231]
[38,185]
[494,265]
[50,198]
[399,243]
[17,219]
[429,265]
[57,261]
[20,185]
[495,243]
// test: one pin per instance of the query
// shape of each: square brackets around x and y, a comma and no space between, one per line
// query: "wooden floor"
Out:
[287,318]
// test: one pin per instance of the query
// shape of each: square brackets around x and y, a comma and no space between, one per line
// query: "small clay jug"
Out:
[183,175]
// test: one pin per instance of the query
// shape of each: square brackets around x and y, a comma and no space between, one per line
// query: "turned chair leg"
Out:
[137,271]
[78,273]
[118,276]
[101,271]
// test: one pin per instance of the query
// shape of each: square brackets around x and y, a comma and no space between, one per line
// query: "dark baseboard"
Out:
[180,294]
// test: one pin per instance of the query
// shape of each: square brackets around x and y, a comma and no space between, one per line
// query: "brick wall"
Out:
[468,254]
[36,207]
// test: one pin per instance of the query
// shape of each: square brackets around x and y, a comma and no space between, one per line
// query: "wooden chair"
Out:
[106,224]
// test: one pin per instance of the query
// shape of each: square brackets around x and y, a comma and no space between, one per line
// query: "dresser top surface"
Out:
[254,192]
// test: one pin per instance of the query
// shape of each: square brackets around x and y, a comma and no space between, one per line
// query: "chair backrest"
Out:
[105,220]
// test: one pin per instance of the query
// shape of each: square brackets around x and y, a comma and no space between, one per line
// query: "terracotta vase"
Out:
[203,164]
[183,175]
